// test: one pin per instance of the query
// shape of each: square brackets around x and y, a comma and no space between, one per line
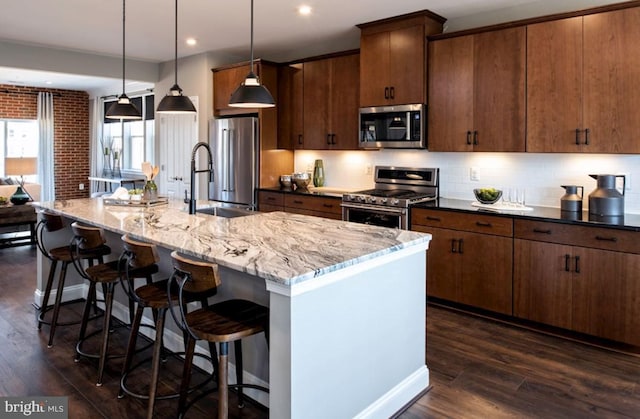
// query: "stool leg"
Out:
[186,375]
[223,389]
[155,370]
[131,347]
[91,297]
[56,307]
[238,352]
[47,292]
[108,306]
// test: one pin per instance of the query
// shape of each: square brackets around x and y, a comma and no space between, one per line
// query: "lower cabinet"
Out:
[469,260]
[559,281]
[319,206]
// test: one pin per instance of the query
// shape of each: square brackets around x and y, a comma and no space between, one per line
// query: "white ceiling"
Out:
[95,26]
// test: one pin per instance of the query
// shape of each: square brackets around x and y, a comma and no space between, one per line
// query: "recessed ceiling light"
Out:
[304,10]
[191,41]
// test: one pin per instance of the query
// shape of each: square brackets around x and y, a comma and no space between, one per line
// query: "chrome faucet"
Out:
[192,199]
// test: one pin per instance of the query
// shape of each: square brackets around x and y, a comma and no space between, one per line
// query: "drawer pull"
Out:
[453,246]
[460,246]
[270,198]
[430,218]
[577,264]
[541,231]
[607,239]
[468,137]
[298,202]
[327,205]
[567,258]
[483,224]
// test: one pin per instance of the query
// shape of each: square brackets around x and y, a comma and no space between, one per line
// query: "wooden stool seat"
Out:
[222,323]
[50,223]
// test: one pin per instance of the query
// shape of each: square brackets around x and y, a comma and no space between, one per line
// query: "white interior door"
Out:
[178,134]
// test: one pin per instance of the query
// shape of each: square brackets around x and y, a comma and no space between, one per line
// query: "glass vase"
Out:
[318,173]
[150,191]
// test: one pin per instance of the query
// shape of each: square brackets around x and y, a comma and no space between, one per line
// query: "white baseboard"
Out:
[72,292]
[398,397]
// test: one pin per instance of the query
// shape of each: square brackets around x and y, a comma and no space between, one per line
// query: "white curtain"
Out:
[95,143]
[45,160]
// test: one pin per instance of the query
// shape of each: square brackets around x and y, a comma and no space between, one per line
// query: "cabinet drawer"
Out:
[271,199]
[313,203]
[575,235]
[302,211]
[478,223]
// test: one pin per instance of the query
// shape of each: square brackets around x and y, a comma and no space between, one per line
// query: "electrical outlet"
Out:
[81,186]
[368,169]
[473,174]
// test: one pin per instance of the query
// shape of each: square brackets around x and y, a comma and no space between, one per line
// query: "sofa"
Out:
[32,188]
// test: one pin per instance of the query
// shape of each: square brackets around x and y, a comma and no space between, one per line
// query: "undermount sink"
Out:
[226,212]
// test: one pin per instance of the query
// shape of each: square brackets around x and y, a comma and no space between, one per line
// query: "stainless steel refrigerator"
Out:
[234,145]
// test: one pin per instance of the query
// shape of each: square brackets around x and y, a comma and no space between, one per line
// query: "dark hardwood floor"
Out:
[478,368]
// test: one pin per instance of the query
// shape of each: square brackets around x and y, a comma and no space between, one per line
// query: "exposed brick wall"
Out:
[71,132]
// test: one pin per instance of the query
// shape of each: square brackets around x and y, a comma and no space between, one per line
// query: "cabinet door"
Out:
[486,280]
[407,65]
[317,83]
[177,137]
[554,86]
[290,105]
[374,68]
[499,90]
[542,282]
[343,104]
[450,111]
[444,266]
[225,82]
[611,80]
[606,294]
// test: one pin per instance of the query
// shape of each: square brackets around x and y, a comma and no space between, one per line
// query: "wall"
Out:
[71,132]
[539,174]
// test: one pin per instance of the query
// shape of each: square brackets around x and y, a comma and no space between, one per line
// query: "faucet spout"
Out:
[209,169]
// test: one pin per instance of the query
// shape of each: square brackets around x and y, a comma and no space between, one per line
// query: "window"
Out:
[18,138]
[126,144]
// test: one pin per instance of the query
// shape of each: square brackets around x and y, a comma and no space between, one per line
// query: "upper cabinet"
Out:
[290,122]
[392,59]
[330,103]
[582,84]
[477,92]
[227,79]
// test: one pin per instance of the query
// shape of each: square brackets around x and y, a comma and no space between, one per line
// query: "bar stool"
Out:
[50,223]
[139,255]
[224,322]
[108,275]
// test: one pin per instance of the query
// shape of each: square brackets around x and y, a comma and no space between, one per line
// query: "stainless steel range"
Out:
[396,189]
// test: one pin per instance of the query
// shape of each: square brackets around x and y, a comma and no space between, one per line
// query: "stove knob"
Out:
[395,201]
[372,199]
[361,198]
[383,201]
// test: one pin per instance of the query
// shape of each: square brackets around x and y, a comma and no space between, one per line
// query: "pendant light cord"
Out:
[123,43]
[252,37]
[176,47]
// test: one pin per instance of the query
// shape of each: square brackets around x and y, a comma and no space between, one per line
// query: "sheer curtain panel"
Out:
[45,160]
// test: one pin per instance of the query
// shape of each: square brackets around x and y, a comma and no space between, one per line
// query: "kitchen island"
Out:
[347,301]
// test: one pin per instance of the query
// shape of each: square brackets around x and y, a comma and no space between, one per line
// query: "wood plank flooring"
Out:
[478,368]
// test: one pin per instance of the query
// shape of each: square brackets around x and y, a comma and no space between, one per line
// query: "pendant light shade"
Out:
[174,101]
[250,93]
[123,108]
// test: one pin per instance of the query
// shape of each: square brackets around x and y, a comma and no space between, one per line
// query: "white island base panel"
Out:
[354,344]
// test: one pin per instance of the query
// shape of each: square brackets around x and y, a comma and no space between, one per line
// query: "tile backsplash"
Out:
[539,174]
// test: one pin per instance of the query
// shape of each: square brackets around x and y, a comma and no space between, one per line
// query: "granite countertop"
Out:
[280,247]
[625,222]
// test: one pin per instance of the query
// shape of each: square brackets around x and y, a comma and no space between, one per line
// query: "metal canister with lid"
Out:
[606,199]
[571,200]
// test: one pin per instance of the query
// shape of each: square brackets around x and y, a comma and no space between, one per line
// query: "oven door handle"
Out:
[387,210]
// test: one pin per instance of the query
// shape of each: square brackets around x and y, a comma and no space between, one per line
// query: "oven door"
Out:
[376,215]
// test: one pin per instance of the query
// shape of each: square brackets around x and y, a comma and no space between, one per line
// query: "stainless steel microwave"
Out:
[401,126]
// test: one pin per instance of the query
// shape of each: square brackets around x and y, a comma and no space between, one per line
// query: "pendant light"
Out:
[123,108]
[174,101]
[251,94]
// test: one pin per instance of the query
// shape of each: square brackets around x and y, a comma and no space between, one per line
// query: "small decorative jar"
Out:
[150,191]
[318,173]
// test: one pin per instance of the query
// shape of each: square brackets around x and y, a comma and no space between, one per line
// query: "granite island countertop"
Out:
[281,247]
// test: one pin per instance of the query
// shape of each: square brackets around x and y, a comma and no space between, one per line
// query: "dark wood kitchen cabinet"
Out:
[290,106]
[319,206]
[477,91]
[270,201]
[227,79]
[330,103]
[469,259]
[392,59]
[582,80]
[578,278]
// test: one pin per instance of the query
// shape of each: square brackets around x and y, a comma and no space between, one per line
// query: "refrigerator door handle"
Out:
[225,144]
[231,169]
